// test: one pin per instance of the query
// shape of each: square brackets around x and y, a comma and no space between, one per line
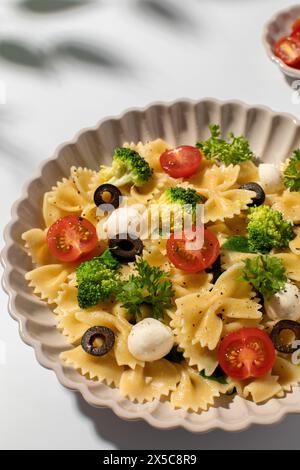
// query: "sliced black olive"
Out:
[276,336]
[125,248]
[107,195]
[98,332]
[260,197]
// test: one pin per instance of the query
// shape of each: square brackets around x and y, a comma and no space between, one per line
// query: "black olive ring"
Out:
[260,197]
[275,335]
[93,333]
[115,197]
[125,248]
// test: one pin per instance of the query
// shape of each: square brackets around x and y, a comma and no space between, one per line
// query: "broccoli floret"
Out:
[267,229]
[266,273]
[128,167]
[98,279]
[291,174]
[233,151]
[188,198]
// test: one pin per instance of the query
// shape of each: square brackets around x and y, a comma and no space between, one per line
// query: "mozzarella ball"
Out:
[123,220]
[150,340]
[285,304]
[270,177]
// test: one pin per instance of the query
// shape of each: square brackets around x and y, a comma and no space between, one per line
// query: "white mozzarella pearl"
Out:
[150,340]
[285,304]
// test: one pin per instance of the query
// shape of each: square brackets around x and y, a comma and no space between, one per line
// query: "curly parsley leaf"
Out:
[233,151]
[291,175]
[149,286]
[266,273]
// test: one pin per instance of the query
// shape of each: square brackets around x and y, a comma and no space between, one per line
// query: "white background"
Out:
[65,70]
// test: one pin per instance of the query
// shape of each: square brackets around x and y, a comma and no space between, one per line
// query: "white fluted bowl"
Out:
[272,137]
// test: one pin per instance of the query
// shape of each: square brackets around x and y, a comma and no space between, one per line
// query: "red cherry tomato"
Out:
[296,26]
[72,238]
[181,162]
[246,353]
[192,261]
[288,50]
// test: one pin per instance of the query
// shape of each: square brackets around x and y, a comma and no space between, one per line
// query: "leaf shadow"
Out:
[167,12]
[21,53]
[51,6]
[89,54]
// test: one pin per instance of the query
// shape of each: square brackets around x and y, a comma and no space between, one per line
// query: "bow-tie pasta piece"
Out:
[36,246]
[70,327]
[151,151]
[104,368]
[288,373]
[262,389]
[47,280]
[51,212]
[248,172]
[151,382]
[195,392]
[289,205]
[120,327]
[291,263]
[223,198]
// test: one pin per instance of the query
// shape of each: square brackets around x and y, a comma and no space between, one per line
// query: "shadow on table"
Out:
[51,6]
[134,435]
[168,12]
[47,59]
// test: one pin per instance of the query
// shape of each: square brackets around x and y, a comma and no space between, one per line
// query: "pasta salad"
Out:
[174,273]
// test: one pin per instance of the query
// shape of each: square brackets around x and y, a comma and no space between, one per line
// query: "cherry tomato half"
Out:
[181,162]
[296,26]
[71,238]
[288,50]
[192,261]
[245,353]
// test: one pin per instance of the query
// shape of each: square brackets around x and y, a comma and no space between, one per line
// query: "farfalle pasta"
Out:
[147,311]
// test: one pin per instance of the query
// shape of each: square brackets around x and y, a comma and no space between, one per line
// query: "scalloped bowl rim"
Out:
[145,415]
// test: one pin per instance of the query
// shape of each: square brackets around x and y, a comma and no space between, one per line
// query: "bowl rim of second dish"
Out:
[286,69]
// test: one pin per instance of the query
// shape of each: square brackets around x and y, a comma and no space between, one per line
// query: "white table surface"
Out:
[125,53]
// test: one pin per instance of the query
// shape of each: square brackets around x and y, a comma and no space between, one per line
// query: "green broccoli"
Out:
[188,198]
[266,273]
[98,279]
[234,151]
[291,174]
[128,167]
[267,229]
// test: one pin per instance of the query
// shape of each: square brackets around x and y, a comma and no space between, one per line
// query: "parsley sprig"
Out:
[149,286]
[291,175]
[232,151]
[266,273]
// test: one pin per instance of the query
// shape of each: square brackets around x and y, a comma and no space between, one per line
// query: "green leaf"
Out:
[291,175]
[233,151]
[237,243]
[266,273]
[217,376]
[150,287]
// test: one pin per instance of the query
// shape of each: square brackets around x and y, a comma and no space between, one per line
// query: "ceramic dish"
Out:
[280,25]
[272,137]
